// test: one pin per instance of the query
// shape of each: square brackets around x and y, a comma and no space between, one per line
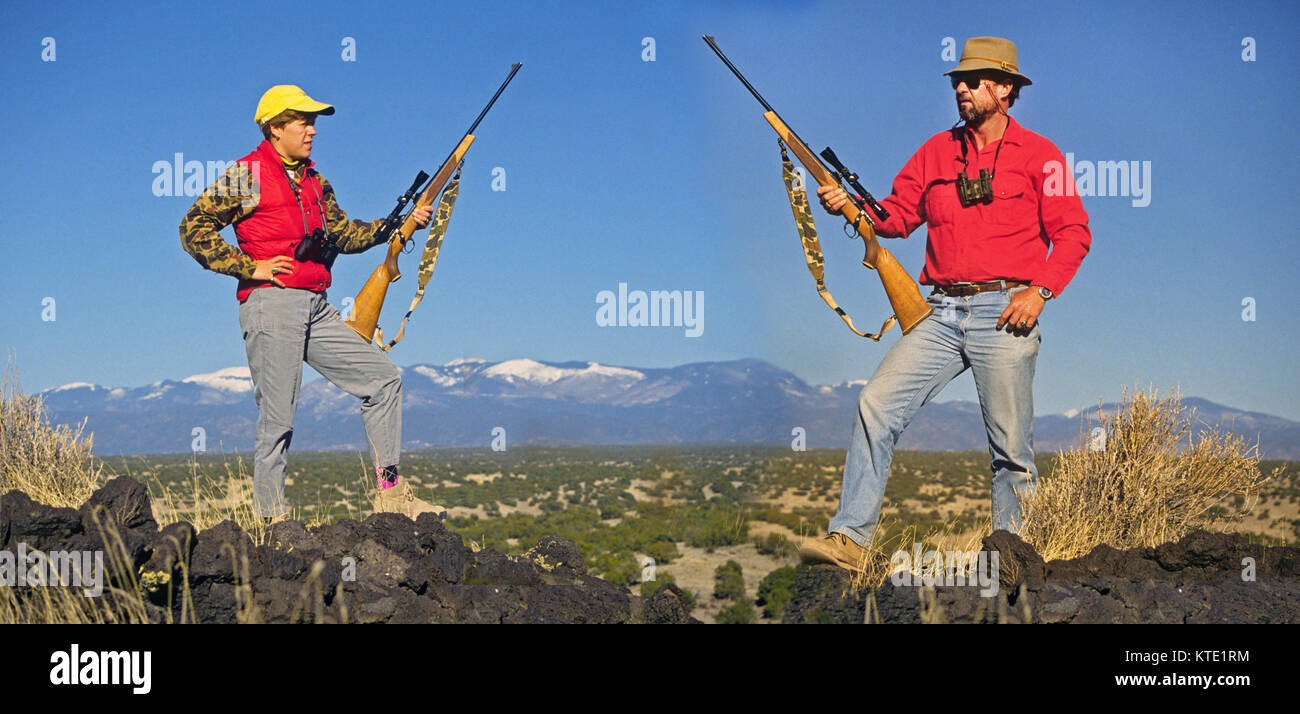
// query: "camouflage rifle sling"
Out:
[812,247]
[437,229]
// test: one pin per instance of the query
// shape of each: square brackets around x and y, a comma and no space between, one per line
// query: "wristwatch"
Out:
[1044,292]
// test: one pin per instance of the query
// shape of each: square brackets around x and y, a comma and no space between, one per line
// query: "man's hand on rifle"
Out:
[833,198]
[422,215]
[267,269]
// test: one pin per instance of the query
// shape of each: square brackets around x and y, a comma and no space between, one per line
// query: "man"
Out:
[987,258]
[275,199]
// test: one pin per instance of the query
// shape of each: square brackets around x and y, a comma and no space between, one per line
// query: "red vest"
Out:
[276,226]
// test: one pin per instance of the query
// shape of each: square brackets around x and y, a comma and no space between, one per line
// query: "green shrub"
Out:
[651,587]
[720,526]
[740,612]
[776,591]
[775,544]
[618,568]
[689,600]
[729,581]
[663,551]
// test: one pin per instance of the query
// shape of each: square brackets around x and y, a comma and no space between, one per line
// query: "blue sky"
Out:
[661,175]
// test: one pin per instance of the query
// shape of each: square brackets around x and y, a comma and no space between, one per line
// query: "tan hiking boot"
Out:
[836,549]
[401,499]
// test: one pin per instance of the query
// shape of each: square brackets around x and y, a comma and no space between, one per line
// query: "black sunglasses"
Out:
[972,79]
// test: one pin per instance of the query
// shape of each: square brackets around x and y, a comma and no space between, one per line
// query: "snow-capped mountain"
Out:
[460,404]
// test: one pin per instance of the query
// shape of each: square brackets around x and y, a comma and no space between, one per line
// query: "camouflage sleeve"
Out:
[353,236]
[233,197]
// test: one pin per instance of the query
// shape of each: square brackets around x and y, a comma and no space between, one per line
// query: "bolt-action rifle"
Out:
[904,295]
[397,229]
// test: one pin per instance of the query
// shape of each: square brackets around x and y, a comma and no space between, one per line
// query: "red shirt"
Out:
[1007,239]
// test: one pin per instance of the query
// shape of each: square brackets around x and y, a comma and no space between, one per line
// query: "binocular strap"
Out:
[437,229]
[812,247]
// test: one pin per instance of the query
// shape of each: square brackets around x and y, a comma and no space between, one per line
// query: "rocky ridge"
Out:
[1202,578]
[385,569]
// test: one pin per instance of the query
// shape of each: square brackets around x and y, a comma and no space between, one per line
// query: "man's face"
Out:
[294,139]
[975,94]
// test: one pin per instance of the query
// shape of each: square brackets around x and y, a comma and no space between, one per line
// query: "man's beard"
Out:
[972,113]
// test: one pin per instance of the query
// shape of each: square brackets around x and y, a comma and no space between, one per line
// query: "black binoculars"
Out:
[321,246]
[977,191]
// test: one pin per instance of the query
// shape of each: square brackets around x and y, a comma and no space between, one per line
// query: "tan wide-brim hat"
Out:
[990,53]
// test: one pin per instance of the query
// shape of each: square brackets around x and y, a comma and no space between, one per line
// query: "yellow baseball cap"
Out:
[287,96]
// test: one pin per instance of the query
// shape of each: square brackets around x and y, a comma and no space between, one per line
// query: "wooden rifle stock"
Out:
[904,295]
[370,301]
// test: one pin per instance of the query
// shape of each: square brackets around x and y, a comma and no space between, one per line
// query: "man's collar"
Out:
[1013,134]
[267,150]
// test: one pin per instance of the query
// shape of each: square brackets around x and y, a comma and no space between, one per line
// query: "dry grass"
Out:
[54,465]
[877,566]
[122,600]
[1161,474]
[51,465]
[1154,481]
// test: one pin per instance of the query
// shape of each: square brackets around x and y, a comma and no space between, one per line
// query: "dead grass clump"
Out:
[1152,475]
[879,562]
[50,464]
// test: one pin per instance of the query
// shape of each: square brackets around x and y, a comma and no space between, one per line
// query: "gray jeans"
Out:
[282,327]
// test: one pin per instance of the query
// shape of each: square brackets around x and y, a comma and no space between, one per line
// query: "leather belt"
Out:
[964,289]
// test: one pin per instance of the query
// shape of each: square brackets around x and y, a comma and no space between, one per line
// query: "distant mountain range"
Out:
[460,404]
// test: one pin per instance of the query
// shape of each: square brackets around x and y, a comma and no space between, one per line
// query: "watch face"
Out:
[1047,294]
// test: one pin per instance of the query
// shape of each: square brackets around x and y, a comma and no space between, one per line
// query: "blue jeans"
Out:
[958,334]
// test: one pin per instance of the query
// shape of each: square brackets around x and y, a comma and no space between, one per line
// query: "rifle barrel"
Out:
[513,68]
[712,42]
